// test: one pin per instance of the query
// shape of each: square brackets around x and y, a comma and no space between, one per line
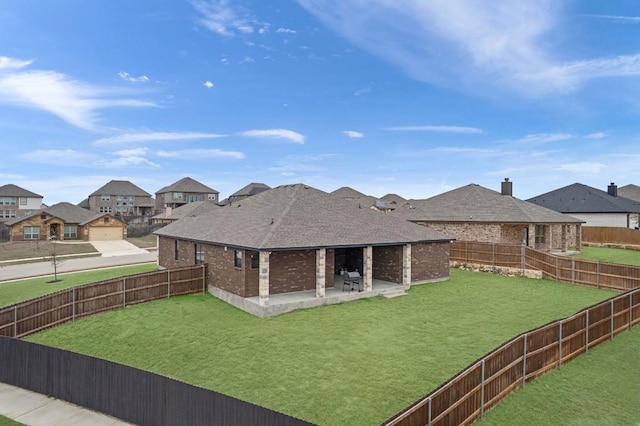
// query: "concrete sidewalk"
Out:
[35,409]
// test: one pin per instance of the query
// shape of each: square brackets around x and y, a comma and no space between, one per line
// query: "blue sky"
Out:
[412,97]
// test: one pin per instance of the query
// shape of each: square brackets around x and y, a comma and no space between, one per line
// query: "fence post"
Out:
[557,271]
[611,323]
[630,310]
[523,253]
[586,340]
[124,292]
[482,392]
[559,343]
[73,304]
[204,278]
[168,283]
[15,321]
[429,411]
[524,361]
[573,271]
[493,254]
[597,273]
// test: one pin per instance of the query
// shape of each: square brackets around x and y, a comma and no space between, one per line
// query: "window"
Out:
[177,195]
[237,258]
[7,214]
[211,197]
[105,220]
[23,201]
[70,231]
[31,233]
[541,231]
[105,198]
[193,198]
[8,201]
[255,259]
[176,252]
[106,209]
[199,253]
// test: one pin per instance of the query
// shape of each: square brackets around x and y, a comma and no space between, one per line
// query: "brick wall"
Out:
[481,232]
[387,263]
[292,271]
[429,261]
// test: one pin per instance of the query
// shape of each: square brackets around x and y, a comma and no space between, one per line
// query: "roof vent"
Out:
[612,190]
[507,187]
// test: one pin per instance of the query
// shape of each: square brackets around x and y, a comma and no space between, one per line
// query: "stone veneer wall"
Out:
[481,232]
[387,263]
[429,261]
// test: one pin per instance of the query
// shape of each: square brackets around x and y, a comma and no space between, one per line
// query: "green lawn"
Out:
[355,363]
[18,291]
[627,257]
[599,388]
[5,421]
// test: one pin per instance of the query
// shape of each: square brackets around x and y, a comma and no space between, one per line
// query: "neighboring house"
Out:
[295,238]
[348,193]
[17,202]
[593,206]
[187,210]
[393,201]
[253,188]
[184,191]
[631,192]
[363,201]
[121,198]
[475,213]
[65,221]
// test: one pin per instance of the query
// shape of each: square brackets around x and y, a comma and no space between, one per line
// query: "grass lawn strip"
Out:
[610,255]
[41,249]
[18,291]
[599,388]
[355,363]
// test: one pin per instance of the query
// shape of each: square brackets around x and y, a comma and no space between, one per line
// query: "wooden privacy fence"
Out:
[133,395]
[610,235]
[465,397]
[567,269]
[25,318]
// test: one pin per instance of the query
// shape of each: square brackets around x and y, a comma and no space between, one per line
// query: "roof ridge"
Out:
[278,222]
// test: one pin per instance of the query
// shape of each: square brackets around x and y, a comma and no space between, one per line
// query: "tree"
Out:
[55,259]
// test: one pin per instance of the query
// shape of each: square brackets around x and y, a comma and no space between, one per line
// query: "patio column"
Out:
[321,259]
[367,274]
[406,264]
[263,280]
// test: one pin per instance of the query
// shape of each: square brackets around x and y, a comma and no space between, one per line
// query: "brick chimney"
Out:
[612,190]
[507,187]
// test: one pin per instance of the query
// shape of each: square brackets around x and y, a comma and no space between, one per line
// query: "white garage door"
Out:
[105,233]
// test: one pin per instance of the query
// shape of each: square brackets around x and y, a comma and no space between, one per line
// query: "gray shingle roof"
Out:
[196,208]
[579,198]
[630,191]
[187,184]
[474,203]
[298,216]
[347,192]
[67,212]
[121,187]
[393,200]
[252,189]
[11,190]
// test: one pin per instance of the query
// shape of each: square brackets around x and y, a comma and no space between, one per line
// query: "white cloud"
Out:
[293,164]
[285,31]
[477,45]
[285,134]
[60,157]
[220,17]
[73,101]
[208,84]
[154,137]
[444,129]
[136,152]
[196,154]
[127,77]
[542,138]
[598,135]
[582,167]
[353,134]
[128,158]
[617,18]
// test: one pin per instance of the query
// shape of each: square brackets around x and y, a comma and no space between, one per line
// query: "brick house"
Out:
[184,191]
[249,190]
[120,198]
[17,202]
[295,238]
[193,209]
[65,221]
[593,206]
[475,213]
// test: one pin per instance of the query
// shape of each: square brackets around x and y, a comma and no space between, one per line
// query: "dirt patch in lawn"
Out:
[39,249]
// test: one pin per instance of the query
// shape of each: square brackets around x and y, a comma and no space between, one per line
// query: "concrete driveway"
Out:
[110,248]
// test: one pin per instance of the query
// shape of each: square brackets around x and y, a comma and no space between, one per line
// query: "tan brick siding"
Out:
[429,261]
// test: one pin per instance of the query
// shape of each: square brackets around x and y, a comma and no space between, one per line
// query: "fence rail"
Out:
[136,396]
[584,272]
[465,397]
[25,318]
